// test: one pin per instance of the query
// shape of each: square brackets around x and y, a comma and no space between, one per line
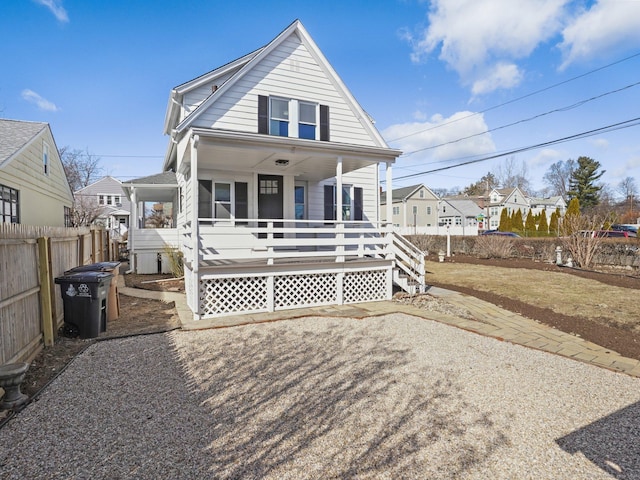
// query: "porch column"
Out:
[339,219]
[195,229]
[133,225]
[339,190]
[389,226]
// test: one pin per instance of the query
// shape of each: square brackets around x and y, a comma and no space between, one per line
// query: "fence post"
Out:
[46,290]
[93,246]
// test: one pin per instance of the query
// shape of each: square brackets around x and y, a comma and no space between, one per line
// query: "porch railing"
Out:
[410,270]
[276,241]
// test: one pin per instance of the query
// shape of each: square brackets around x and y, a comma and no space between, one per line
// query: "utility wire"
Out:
[550,112]
[536,92]
[589,133]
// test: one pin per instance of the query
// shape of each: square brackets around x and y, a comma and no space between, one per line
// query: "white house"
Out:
[107,199]
[549,205]
[511,199]
[33,186]
[460,216]
[276,186]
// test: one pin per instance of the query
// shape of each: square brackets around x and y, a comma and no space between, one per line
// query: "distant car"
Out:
[501,234]
[632,230]
[602,234]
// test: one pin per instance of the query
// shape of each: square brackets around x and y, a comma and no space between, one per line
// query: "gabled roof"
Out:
[466,207]
[401,194]
[101,180]
[242,66]
[15,135]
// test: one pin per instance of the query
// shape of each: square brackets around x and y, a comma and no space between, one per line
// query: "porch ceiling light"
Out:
[281,162]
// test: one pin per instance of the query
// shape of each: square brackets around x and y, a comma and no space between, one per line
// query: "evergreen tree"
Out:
[517,223]
[553,223]
[582,184]
[573,212]
[530,225]
[543,227]
[505,221]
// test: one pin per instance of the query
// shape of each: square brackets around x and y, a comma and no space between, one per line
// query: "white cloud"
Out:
[599,142]
[544,157]
[42,103]
[423,138]
[628,168]
[479,38]
[606,26]
[55,6]
[502,75]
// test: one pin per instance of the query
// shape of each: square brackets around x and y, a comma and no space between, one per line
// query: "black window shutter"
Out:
[242,200]
[328,203]
[263,114]
[324,123]
[205,199]
[357,203]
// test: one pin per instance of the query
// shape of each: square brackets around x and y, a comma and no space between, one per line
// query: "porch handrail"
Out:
[410,259]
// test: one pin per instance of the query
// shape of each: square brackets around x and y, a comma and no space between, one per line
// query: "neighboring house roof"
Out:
[231,73]
[16,135]
[164,178]
[403,193]
[467,208]
[106,179]
[547,201]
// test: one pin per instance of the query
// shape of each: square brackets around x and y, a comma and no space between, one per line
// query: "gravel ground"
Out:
[390,397]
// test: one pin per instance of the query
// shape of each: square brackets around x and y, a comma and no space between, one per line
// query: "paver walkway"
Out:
[488,319]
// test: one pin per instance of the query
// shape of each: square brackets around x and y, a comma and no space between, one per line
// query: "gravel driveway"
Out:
[389,397]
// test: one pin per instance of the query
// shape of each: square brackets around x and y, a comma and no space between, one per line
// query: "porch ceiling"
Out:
[274,155]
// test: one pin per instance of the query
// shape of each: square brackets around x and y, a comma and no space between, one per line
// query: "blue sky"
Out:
[429,73]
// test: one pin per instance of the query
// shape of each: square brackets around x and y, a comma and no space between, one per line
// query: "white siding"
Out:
[290,71]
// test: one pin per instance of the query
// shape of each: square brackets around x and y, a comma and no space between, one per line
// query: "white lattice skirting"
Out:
[252,294]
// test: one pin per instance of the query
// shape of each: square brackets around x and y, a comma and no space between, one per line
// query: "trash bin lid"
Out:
[95,267]
[84,277]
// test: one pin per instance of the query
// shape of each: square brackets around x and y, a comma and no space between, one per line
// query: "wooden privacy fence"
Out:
[31,257]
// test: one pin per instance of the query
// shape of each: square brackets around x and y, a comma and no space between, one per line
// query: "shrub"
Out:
[493,246]
[175,261]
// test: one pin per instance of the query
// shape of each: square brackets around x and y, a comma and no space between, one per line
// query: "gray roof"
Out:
[16,134]
[400,193]
[468,208]
[164,178]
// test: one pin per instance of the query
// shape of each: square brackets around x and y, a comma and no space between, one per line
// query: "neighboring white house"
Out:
[511,199]
[549,205]
[414,210]
[33,186]
[107,199]
[459,216]
[276,186]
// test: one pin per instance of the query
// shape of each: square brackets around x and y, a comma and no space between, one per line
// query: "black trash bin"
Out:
[113,311]
[85,301]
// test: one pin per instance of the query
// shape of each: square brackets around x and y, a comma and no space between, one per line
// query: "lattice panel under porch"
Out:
[305,290]
[229,295]
[365,286]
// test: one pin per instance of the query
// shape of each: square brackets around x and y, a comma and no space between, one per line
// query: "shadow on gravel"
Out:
[612,443]
[342,402]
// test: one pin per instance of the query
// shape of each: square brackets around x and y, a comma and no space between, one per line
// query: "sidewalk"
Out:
[488,320]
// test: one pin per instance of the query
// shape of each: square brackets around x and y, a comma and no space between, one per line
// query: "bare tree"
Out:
[81,167]
[628,189]
[86,210]
[558,176]
[510,174]
[579,237]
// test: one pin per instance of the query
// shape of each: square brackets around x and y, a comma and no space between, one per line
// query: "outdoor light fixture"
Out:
[282,162]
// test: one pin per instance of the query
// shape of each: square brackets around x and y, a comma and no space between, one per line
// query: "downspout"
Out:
[133,225]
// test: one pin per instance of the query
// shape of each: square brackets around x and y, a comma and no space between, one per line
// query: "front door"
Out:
[270,198]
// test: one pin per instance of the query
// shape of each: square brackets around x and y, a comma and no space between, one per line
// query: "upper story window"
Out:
[307,120]
[396,210]
[9,203]
[45,158]
[428,210]
[114,200]
[421,193]
[279,117]
[293,118]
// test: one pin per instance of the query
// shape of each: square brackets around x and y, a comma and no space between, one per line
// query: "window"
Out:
[105,199]
[421,193]
[9,203]
[299,199]
[293,118]
[68,220]
[279,117]
[307,121]
[494,211]
[222,200]
[351,205]
[415,210]
[428,210]
[458,220]
[396,210]
[45,158]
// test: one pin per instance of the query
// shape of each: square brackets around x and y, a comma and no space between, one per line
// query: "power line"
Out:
[589,133]
[520,98]
[524,120]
